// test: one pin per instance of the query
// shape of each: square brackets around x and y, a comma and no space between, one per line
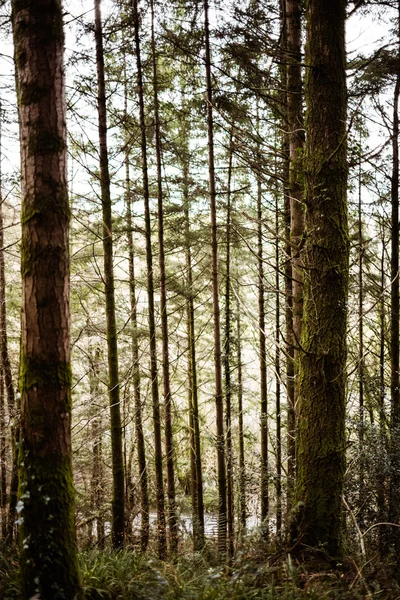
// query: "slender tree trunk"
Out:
[278,377]
[162,546]
[169,444]
[222,484]
[97,496]
[322,375]
[46,509]
[6,370]
[394,509]
[118,508]
[228,359]
[263,361]
[381,495]
[194,423]
[141,448]
[296,144]
[242,464]
[361,485]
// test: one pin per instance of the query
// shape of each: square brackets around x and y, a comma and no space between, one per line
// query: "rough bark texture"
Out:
[48,553]
[118,520]
[222,508]
[321,433]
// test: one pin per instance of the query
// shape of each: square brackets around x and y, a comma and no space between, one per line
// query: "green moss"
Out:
[56,202]
[47,535]
[45,142]
[44,374]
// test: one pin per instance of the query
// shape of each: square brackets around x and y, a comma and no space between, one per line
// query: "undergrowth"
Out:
[129,575]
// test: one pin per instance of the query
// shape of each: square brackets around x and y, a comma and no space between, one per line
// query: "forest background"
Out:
[171,461]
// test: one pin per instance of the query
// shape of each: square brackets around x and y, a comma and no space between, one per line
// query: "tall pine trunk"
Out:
[222,485]
[46,506]
[137,396]
[322,373]
[169,444]
[118,499]
[161,525]
[194,423]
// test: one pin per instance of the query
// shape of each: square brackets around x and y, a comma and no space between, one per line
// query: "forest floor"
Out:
[128,575]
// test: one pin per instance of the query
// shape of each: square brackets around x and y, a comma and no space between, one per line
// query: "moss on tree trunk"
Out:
[45,508]
[322,376]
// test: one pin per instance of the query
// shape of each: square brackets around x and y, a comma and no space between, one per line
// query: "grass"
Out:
[128,575]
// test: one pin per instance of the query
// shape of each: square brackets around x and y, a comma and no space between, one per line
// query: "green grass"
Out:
[128,575]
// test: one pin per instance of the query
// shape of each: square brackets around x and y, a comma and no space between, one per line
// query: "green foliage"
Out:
[127,575]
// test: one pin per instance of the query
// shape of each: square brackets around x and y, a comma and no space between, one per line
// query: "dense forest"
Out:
[199,299]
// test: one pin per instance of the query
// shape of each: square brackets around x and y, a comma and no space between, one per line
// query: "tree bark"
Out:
[169,444]
[263,361]
[322,374]
[137,396]
[118,508]
[222,507]
[46,507]
[194,422]
[162,547]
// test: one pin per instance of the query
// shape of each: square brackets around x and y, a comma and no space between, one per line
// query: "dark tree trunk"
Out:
[242,464]
[295,192]
[169,444]
[162,542]
[141,448]
[97,496]
[194,424]
[262,351]
[222,485]
[118,509]
[228,359]
[322,374]
[48,554]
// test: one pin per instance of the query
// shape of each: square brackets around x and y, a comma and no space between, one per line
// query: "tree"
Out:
[112,346]
[322,377]
[46,508]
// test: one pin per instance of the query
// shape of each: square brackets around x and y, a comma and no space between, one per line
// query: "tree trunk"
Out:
[141,448]
[222,507]
[263,360]
[296,144]
[394,491]
[194,424]
[6,372]
[278,484]
[97,496]
[46,507]
[118,509]
[228,359]
[162,547]
[242,464]
[169,444]
[322,374]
